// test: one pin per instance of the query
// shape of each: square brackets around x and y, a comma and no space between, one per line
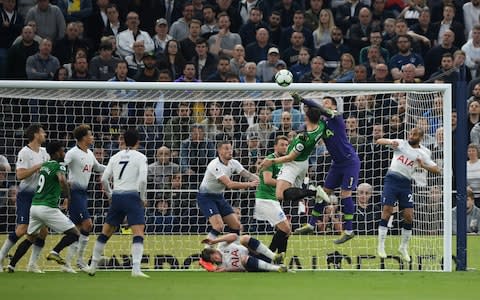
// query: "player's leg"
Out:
[387,211]
[406,233]
[208,206]
[37,248]
[258,247]
[253,264]
[136,220]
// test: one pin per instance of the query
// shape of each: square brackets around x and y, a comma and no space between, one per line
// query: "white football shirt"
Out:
[128,169]
[26,159]
[216,169]
[80,165]
[404,159]
[231,256]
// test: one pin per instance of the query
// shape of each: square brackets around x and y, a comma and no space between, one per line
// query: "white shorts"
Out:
[269,210]
[294,172]
[53,218]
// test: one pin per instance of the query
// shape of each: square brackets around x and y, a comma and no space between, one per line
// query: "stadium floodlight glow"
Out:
[60,105]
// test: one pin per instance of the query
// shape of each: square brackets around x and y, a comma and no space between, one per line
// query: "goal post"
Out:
[173,238]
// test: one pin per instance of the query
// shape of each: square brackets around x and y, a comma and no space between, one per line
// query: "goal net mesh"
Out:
[179,130]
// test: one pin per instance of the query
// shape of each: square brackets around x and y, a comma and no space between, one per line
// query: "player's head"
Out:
[224,149]
[281,145]
[415,136]
[131,137]
[83,133]
[35,132]
[56,150]
[329,102]
[312,115]
[211,255]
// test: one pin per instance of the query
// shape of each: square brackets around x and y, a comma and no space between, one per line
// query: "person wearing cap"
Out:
[102,66]
[161,37]
[266,69]
[149,72]
[127,38]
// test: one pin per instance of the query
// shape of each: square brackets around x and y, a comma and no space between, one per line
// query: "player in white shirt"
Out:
[238,254]
[128,171]
[29,160]
[81,162]
[407,155]
[210,197]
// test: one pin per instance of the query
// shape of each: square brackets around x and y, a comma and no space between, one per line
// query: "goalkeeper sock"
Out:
[260,248]
[406,235]
[295,193]
[316,213]
[348,211]
[137,253]
[36,249]
[82,245]
[20,252]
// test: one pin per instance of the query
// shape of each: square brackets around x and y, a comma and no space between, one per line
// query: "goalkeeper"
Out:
[234,254]
[344,170]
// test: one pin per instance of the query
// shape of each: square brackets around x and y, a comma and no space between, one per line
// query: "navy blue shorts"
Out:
[397,189]
[126,204]
[213,204]
[77,206]
[343,175]
[23,203]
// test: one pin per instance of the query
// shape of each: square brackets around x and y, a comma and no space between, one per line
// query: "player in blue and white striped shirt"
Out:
[128,171]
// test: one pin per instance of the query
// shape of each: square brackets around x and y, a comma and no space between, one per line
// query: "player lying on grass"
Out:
[244,254]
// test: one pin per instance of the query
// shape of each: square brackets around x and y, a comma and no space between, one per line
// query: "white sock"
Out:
[382,235]
[211,236]
[137,253]
[97,254]
[35,254]
[82,245]
[72,249]
[7,245]
[263,265]
[262,249]
[406,235]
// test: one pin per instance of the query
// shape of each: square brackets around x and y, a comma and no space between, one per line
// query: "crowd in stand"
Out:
[319,41]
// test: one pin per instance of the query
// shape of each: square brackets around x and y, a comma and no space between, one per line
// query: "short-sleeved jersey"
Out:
[26,159]
[49,190]
[306,142]
[405,157]
[80,165]
[128,168]
[216,169]
[266,191]
[231,254]
[337,142]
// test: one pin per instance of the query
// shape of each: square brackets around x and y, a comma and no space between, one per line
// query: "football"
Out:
[284,77]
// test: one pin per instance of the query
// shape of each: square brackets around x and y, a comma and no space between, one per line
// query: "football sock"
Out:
[406,235]
[316,213]
[282,241]
[237,231]
[36,249]
[382,232]
[68,239]
[348,211]
[8,244]
[263,265]
[295,193]
[71,251]
[275,240]
[20,252]
[213,234]
[260,248]
[82,244]
[98,249]
[137,253]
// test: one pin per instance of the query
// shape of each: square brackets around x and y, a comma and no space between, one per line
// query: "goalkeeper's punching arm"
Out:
[311,103]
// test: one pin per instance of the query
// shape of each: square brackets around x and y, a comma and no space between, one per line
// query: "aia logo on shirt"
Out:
[87,168]
[404,160]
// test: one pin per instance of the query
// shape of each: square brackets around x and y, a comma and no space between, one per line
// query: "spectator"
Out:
[163,220]
[473,215]
[36,37]
[248,116]
[72,11]
[354,136]
[274,27]
[406,56]
[435,114]
[177,128]
[250,73]
[150,132]
[237,62]
[213,120]
[188,74]
[172,59]
[230,131]
[317,74]
[180,28]
[187,45]
[471,14]
[425,31]
[408,74]
[80,70]
[96,23]
[373,59]
[359,33]
[49,20]
[375,160]
[448,22]
[323,33]
[172,10]
[250,152]
[381,74]
[111,127]
[149,72]
[332,52]
[375,41]
[127,38]
[266,68]
[312,15]
[161,36]
[302,66]
[42,66]
[296,115]
[114,26]
[263,128]
[248,31]
[297,26]
[290,54]
[231,10]
[347,14]
[18,53]
[161,171]
[345,71]
[8,211]
[102,66]
[205,62]
[135,60]
[368,211]
[435,55]
[464,73]
[380,14]
[223,42]
[428,139]
[23,6]
[209,26]
[10,28]
[257,50]
[472,51]
[447,73]
[411,12]
[195,153]
[360,74]
[473,170]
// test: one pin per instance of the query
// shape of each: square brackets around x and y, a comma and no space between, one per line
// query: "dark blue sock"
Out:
[407,226]
[102,238]
[383,222]
[137,239]
[237,231]
[252,264]
[253,243]
[348,211]
[316,213]
[85,233]
[13,237]
[39,242]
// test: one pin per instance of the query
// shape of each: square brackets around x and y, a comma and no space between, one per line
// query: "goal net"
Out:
[180,125]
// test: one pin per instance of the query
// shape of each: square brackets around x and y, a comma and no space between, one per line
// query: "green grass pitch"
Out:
[226,286]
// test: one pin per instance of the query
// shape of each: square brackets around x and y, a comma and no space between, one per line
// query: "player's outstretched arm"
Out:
[249,176]
[430,168]
[387,142]
[311,103]
[235,185]
[279,160]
